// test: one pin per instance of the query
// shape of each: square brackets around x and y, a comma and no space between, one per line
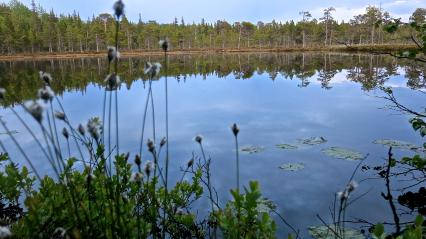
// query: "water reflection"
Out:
[20,77]
[307,95]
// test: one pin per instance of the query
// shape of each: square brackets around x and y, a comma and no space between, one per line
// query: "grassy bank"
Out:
[158,52]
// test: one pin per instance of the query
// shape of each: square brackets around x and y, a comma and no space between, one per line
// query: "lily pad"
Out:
[286,146]
[325,232]
[313,140]
[399,144]
[252,149]
[292,166]
[342,153]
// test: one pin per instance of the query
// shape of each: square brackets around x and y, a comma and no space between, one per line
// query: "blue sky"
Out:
[231,10]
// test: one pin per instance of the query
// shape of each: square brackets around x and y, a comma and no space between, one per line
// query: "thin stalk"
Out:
[32,134]
[389,196]
[103,116]
[20,149]
[167,137]
[209,185]
[144,119]
[71,129]
[52,140]
[109,128]
[116,122]
[69,149]
[237,156]
[51,133]
[153,117]
[55,130]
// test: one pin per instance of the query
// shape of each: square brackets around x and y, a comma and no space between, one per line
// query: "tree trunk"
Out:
[239,39]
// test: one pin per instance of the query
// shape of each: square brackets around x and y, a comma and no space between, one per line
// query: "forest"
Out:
[34,29]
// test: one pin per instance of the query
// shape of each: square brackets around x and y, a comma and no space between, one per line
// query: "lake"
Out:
[274,98]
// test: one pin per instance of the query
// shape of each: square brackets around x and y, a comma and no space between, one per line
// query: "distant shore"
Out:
[382,48]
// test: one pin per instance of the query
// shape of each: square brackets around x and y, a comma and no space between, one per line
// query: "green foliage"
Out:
[13,181]
[417,230]
[241,217]
[94,204]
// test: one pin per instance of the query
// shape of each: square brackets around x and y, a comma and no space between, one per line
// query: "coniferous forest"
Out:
[35,29]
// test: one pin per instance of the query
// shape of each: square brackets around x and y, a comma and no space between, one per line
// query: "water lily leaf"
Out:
[292,166]
[252,149]
[324,232]
[399,145]
[286,146]
[342,153]
[313,140]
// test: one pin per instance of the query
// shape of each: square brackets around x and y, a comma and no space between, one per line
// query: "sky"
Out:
[165,11]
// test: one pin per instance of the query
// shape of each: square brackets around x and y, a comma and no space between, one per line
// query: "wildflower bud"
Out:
[151,145]
[343,195]
[45,77]
[198,139]
[235,129]
[2,93]
[190,163]
[36,110]
[81,129]
[112,53]
[118,9]
[46,94]
[5,232]
[163,142]
[352,186]
[112,81]
[65,133]
[148,168]
[164,44]
[126,157]
[60,115]
[152,70]
[94,125]
[138,160]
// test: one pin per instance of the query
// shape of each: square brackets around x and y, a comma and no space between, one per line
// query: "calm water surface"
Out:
[274,98]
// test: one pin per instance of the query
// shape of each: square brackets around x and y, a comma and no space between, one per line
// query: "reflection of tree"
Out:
[327,73]
[372,75]
[416,75]
[21,78]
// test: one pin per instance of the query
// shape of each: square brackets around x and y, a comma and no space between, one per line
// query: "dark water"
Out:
[274,98]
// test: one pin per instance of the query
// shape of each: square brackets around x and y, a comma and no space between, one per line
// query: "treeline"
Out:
[33,29]
[76,74]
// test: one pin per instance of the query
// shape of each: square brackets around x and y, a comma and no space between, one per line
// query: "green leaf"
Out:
[292,166]
[313,140]
[324,232]
[286,146]
[379,229]
[250,149]
[342,153]
[419,220]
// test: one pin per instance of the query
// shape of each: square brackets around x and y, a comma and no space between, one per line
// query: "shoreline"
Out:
[382,48]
